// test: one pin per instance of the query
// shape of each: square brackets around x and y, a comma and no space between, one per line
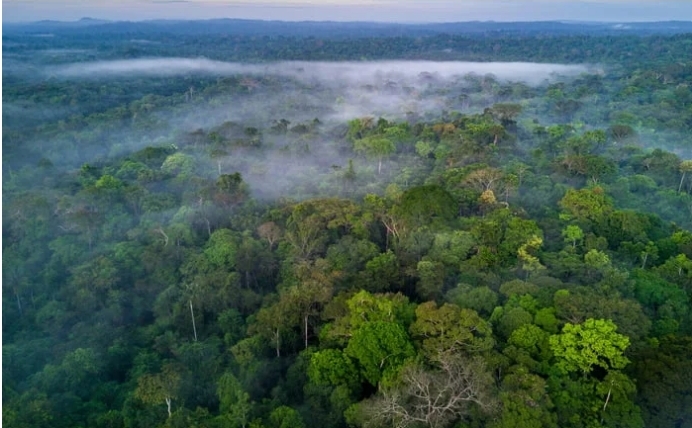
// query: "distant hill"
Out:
[327,29]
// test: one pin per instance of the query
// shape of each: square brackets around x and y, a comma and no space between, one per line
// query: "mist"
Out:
[346,73]
[298,92]
[334,92]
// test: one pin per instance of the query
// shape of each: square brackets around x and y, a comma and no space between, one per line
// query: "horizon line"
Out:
[296,21]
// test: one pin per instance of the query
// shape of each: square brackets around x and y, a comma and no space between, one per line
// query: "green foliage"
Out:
[364,307]
[285,417]
[160,275]
[448,329]
[573,234]
[179,164]
[525,402]
[586,204]
[332,367]
[481,299]
[234,403]
[423,205]
[664,374]
[159,388]
[380,348]
[375,147]
[382,272]
[594,343]
[586,402]
[431,279]
[221,249]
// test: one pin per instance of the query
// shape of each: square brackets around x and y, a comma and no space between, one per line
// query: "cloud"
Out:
[333,73]
[332,91]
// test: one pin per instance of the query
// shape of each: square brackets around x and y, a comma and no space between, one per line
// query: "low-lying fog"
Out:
[299,92]
[346,73]
[331,91]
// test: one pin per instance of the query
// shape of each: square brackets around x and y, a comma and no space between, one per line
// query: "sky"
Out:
[351,10]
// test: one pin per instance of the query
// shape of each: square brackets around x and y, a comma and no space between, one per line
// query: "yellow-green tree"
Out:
[159,388]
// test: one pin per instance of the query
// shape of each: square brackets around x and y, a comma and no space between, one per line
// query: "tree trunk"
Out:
[682,179]
[19,303]
[194,327]
[608,397]
[306,331]
[607,400]
[277,336]
[379,166]
[168,404]
[165,237]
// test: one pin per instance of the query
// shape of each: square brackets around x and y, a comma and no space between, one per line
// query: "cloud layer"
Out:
[349,73]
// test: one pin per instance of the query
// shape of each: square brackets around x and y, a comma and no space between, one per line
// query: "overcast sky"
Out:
[352,10]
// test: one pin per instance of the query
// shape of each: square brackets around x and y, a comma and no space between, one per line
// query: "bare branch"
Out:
[435,398]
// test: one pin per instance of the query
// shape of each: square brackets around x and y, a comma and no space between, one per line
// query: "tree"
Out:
[528,345]
[314,290]
[422,205]
[594,343]
[382,273]
[180,165]
[572,234]
[285,417]
[597,262]
[451,248]
[450,330]
[481,299]
[485,132]
[362,308]
[506,113]
[431,277]
[305,232]
[685,167]
[530,263]
[650,251]
[525,402]
[621,133]
[433,397]
[380,348]
[358,128]
[586,204]
[375,147]
[484,179]
[235,405]
[665,303]
[332,367]
[664,383]
[593,402]
[230,190]
[159,388]
[272,321]
[381,209]
[269,231]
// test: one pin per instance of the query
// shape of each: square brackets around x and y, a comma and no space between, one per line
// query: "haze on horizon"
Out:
[409,11]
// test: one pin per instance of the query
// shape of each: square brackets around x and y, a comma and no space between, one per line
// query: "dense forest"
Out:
[240,225]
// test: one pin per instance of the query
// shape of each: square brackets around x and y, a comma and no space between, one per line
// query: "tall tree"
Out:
[159,388]
[375,147]
[435,397]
